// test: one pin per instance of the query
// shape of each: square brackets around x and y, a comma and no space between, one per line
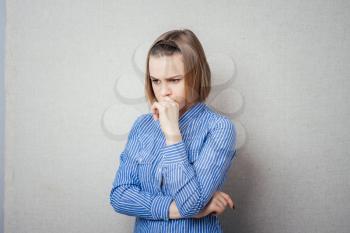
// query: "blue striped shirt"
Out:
[152,174]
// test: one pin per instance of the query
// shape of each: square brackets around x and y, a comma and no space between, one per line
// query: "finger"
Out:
[219,196]
[221,203]
[223,200]
[167,98]
[154,110]
[165,103]
[157,108]
[162,105]
[228,199]
[156,114]
[153,106]
[170,100]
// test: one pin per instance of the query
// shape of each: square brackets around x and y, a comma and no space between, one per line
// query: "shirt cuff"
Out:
[174,153]
[160,207]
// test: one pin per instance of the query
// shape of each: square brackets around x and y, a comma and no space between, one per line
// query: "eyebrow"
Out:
[179,75]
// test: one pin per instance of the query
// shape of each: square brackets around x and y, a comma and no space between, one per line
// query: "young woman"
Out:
[177,156]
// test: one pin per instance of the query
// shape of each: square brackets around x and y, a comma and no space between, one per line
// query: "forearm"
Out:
[175,214]
[132,201]
[192,184]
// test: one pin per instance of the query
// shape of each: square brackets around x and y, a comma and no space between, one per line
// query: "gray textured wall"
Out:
[73,89]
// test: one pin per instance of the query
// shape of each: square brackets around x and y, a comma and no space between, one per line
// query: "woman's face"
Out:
[167,75]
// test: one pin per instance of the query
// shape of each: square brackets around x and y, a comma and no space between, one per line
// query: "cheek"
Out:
[180,89]
[155,90]
[180,97]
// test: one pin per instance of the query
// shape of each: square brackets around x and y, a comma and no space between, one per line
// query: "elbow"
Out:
[115,200]
[191,207]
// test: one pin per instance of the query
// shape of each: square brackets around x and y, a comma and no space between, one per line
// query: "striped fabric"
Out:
[152,174]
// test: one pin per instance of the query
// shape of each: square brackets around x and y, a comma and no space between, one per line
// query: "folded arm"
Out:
[193,185]
[126,196]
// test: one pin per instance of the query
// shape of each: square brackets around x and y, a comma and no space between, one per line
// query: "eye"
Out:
[155,81]
[175,80]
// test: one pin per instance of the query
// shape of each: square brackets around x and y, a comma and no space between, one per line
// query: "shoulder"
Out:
[141,122]
[142,119]
[218,120]
[222,128]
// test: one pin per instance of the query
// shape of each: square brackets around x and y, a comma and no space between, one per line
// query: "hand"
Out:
[167,112]
[216,205]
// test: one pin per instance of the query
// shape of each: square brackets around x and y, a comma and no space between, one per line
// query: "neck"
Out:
[184,109]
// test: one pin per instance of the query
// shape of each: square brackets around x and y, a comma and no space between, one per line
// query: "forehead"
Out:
[166,66]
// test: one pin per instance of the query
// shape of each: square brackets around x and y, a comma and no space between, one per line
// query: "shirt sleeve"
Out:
[126,196]
[193,185]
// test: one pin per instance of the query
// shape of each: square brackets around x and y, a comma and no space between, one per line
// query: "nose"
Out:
[165,90]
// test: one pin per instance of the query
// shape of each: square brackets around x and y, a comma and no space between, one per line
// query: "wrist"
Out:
[172,142]
[173,211]
[173,138]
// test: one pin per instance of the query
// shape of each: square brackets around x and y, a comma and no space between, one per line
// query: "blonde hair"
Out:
[197,71]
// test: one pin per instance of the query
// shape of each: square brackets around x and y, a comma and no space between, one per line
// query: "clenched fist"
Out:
[167,112]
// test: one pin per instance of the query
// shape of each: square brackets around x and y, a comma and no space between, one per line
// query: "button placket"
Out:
[159,177]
